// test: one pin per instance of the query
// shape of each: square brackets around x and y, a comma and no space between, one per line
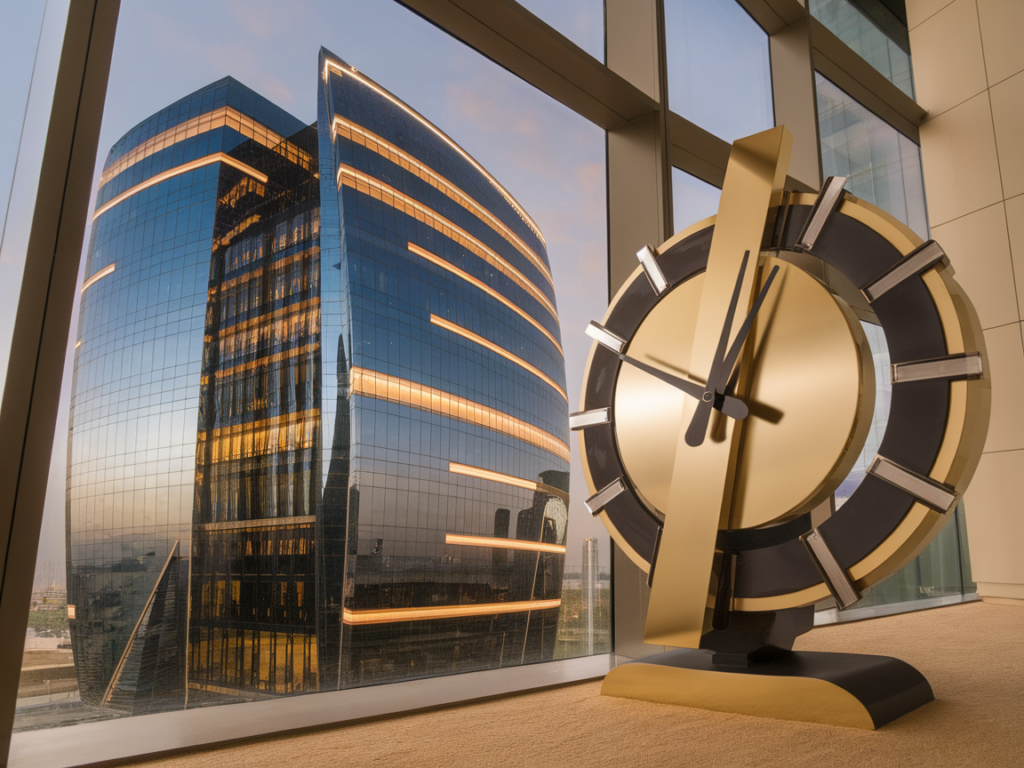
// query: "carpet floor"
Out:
[972,654]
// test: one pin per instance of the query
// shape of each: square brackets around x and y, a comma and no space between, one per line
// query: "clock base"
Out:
[848,689]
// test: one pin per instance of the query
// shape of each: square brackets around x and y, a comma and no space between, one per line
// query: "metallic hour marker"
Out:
[604,337]
[915,262]
[969,366]
[598,501]
[654,556]
[654,273]
[939,497]
[828,200]
[832,573]
[585,419]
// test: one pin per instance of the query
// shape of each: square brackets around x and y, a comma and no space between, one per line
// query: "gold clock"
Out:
[730,390]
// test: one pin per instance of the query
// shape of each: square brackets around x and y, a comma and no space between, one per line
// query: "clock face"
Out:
[807,378]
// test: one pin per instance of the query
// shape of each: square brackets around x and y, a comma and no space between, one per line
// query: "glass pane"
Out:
[719,73]
[875,32]
[582,21]
[330,330]
[882,165]
[30,40]
[692,199]
[884,168]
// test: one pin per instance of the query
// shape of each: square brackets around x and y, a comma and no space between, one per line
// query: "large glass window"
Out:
[719,72]
[332,311]
[874,30]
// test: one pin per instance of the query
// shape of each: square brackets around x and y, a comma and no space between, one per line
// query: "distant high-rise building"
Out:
[591,589]
[317,369]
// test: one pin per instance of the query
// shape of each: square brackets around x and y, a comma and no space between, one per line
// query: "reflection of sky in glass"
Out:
[719,74]
[849,24]
[882,165]
[883,400]
[692,199]
[550,159]
[582,21]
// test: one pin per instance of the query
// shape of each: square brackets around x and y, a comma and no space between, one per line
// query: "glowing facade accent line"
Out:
[359,135]
[499,543]
[216,157]
[109,269]
[393,615]
[381,386]
[218,118]
[433,129]
[390,196]
[500,477]
[476,339]
[438,261]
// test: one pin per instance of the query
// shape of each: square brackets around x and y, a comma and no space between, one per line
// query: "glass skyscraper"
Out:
[319,426]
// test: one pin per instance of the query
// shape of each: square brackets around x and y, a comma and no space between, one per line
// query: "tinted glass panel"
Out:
[873,31]
[882,165]
[719,73]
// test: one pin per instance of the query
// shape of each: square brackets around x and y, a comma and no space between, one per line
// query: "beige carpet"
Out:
[972,654]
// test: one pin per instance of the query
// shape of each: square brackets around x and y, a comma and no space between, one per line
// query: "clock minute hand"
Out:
[730,406]
[734,351]
[699,423]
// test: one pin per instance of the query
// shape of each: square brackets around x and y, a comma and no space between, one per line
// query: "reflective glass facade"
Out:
[451,379]
[319,424]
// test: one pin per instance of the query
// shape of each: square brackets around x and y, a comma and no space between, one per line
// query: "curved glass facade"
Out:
[451,383]
[319,426]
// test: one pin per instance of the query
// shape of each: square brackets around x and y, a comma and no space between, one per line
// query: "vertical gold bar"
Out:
[701,490]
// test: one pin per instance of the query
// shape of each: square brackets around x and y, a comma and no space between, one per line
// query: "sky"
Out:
[549,158]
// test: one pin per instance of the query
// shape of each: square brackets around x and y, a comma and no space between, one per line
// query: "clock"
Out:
[794,408]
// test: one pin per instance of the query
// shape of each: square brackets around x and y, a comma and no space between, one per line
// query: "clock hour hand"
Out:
[723,366]
[730,406]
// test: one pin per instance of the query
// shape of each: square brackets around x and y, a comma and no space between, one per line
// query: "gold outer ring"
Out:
[966,421]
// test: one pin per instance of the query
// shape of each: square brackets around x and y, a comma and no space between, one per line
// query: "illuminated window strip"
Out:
[239,229]
[216,157]
[498,477]
[209,121]
[438,261]
[247,276]
[392,197]
[277,314]
[381,386]
[359,135]
[469,335]
[393,615]
[109,269]
[499,543]
[299,521]
[332,65]
[275,358]
[284,419]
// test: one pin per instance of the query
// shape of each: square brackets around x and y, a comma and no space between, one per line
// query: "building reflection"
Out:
[317,370]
